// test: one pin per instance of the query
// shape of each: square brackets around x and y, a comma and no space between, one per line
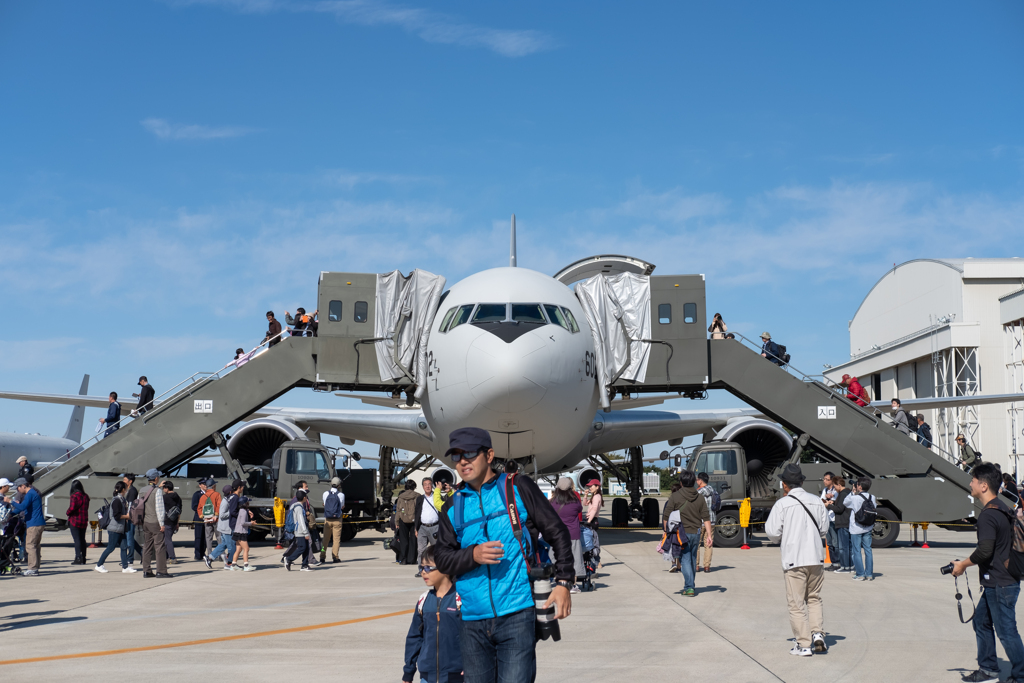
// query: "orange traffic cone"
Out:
[828,560]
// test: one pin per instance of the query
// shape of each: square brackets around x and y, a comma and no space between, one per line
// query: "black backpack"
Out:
[1015,565]
[332,506]
[103,515]
[867,514]
[783,356]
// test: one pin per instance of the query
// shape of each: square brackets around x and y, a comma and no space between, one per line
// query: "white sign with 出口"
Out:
[201,407]
[826,412]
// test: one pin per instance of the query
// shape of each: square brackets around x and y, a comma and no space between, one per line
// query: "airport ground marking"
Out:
[205,641]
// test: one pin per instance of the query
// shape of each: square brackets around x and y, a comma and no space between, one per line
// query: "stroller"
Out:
[11,525]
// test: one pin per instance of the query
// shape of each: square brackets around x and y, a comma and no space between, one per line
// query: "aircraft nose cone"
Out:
[508,378]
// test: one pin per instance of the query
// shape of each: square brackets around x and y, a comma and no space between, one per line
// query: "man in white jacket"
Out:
[798,522]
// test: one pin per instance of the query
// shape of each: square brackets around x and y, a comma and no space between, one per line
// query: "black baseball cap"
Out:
[468,439]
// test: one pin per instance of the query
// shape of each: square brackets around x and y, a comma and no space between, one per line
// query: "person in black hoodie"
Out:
[837,506]
[146,394]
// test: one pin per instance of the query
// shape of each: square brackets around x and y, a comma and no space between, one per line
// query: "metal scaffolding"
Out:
[1013,334]
[955,371]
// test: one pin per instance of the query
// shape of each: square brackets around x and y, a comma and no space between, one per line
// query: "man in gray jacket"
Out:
[798,522]
[153,523]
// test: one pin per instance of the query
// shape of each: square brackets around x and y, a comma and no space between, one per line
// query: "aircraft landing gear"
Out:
[387,485]
[620,512]
[647,510]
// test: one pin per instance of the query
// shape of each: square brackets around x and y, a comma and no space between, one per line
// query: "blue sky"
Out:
[171,170]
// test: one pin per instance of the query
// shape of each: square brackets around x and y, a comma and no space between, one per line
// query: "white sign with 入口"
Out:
[826,412]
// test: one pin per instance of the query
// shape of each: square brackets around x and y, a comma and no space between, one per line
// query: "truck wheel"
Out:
[886,529]
[620,512]
[728,533]
[348,532]
[652,514]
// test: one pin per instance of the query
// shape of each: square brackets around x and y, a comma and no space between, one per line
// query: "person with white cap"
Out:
[334,503]
[770,349]
[32,505]
[25,470]
[798,522]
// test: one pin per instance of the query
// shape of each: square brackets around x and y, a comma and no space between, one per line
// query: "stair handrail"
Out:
[182,387]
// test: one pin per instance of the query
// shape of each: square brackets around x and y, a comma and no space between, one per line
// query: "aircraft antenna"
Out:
[512,247]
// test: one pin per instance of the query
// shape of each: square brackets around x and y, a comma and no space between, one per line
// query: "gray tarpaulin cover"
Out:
[618,308]
[405,310]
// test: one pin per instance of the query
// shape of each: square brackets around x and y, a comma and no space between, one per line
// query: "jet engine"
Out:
[767,445]
[581,477]
[254,442]
[443,475]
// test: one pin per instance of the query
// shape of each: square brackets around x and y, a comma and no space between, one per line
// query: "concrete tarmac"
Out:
[636,626]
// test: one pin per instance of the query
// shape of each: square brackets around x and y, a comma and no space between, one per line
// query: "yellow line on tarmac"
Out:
[206,641]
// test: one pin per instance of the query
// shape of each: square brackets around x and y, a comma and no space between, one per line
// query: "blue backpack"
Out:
[289,524]
[332,507]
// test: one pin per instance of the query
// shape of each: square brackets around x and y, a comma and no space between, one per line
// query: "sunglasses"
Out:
[426,569]
[458,457]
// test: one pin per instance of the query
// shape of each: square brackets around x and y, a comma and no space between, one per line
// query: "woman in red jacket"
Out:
[78,519]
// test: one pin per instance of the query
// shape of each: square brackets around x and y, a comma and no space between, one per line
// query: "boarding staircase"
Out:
[863,441]
[183,419]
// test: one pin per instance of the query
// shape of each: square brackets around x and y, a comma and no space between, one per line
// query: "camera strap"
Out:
[513,517]
[959,596]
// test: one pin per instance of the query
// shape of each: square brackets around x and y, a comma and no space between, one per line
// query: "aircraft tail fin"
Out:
[74,431]
[512,249]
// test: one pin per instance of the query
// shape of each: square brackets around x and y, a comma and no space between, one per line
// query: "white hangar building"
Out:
[950,327]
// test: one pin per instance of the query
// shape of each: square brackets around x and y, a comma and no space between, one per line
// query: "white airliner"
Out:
[510,350]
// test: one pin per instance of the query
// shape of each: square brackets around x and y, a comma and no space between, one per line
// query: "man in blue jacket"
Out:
[113,417]
[477,545]
[32,505]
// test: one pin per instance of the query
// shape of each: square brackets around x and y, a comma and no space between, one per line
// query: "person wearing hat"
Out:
[770,349]
[490,560]
[798,521]
[426,521]
[693,517]
[209,512]
[334,504]
[31,505]
[854,390]
[151,498]
[25,470]
[594,502]
[569,508]
[146,394]
[198,528]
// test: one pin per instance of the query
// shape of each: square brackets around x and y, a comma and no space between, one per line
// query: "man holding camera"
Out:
[489,547]
[996,609]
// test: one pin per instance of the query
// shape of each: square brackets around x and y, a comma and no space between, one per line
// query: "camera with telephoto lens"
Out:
[948,569]
[540,584]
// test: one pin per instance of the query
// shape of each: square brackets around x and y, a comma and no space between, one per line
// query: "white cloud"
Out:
[165,130]
[430,26]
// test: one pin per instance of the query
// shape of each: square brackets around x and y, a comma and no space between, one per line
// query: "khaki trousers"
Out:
[33,537]
[703,548]
[803,591]
[332,535]
[154,545]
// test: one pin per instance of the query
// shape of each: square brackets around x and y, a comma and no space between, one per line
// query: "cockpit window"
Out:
[489,313]
[528,313]
[573,327]
[447,319]
[556,316]
[461,316]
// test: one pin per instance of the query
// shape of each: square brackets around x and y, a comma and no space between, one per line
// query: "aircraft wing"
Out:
[622,429]
[949,401]
[399,429]
[389,402]
[68,399]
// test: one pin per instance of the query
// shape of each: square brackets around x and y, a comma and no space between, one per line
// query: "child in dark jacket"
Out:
[433,641]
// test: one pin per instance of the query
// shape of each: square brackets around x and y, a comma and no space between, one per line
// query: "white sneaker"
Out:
[818,643]
[306,569]
[248,568]
[801,651]
[129,570]
[100,568]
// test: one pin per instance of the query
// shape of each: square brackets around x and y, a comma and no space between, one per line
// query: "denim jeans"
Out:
[843,545]
[131,545]
[301,550]
[688,561]
[501,650]
[865,566]
[226,545]
[997,608]
[115,540]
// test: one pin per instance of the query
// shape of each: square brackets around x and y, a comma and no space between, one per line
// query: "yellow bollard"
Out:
[745,521]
